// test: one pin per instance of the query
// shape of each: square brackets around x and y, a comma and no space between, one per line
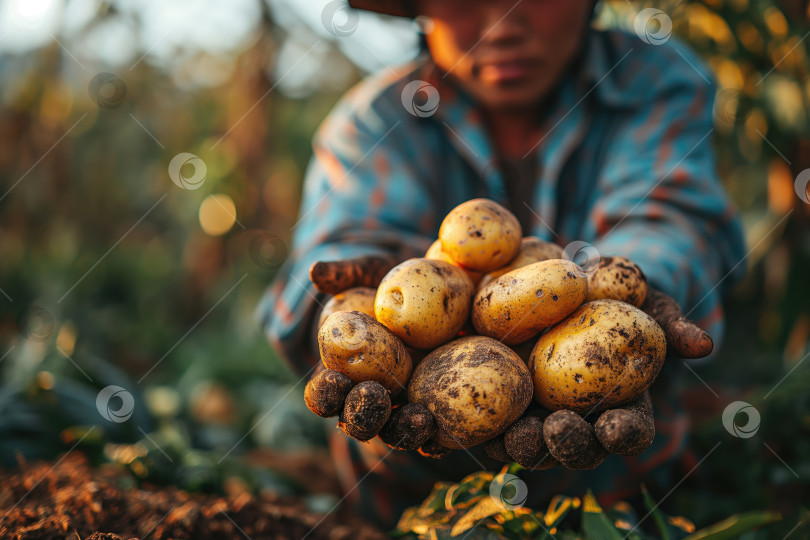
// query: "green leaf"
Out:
[735,525]
[595,523]
[486,507]
[658,517]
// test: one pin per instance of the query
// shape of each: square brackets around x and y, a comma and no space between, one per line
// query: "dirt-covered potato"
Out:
[474,386]
[423,302]
[480,235]
[356,345]
[604,354]
[355,299]
[521,303]
[532,250]
[435,253]
[617,278]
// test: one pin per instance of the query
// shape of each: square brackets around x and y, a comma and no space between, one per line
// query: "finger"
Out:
[409,427]
[684,338]
[628,430]
[334,277]
[495,449]
[365,411]
[326,392]
[524,443]
[571,440]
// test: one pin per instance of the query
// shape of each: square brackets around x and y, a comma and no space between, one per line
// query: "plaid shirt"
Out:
[626,165]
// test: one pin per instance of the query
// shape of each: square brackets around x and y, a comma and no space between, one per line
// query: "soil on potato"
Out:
[71,500]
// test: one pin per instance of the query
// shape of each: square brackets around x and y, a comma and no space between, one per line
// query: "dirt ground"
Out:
[69,499]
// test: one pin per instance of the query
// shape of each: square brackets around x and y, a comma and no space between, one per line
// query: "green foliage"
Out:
[474,509]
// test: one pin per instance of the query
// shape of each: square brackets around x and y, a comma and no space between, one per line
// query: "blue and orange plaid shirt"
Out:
[626,165]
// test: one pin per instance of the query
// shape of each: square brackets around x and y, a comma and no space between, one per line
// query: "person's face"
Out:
[506,53]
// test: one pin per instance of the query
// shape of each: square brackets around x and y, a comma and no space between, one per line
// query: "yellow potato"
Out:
[355,299]
[604,354]
[424,302]
[480,235]
[435,252]
[356,345]
[474,386]
[532,250]
[617,278]
[521,303]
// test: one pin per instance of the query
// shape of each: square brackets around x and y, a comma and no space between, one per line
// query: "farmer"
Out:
[586,135]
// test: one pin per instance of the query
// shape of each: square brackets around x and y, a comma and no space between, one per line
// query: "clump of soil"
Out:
[69,499]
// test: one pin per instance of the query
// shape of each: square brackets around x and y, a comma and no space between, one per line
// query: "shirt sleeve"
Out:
[362,196]
[660,202]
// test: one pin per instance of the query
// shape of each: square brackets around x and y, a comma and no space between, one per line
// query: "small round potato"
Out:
[356,345]
[474,386]
[355,299]
[617,278]
[606,353]
[435,253]
[521,303]
[423,302]
[480,235]
[532,250]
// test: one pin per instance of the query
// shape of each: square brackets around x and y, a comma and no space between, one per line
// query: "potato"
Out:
[423,302]
[435,253]
[617,278]
[604,354]
[520,303]
[474,386]
[480,235]
[356,345]
[532,250]
[355,299]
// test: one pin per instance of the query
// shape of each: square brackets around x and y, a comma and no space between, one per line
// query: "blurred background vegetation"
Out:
[112,274]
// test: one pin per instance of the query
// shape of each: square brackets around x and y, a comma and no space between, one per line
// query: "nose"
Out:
[504,22]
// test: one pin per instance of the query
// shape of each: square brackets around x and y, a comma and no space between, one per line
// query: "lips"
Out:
[507,70]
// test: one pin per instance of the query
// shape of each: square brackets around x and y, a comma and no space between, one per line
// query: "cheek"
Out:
[449,44]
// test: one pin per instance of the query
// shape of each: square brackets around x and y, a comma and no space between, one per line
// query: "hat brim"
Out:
[397,8]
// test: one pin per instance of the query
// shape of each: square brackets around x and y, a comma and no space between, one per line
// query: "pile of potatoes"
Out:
[460,342]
